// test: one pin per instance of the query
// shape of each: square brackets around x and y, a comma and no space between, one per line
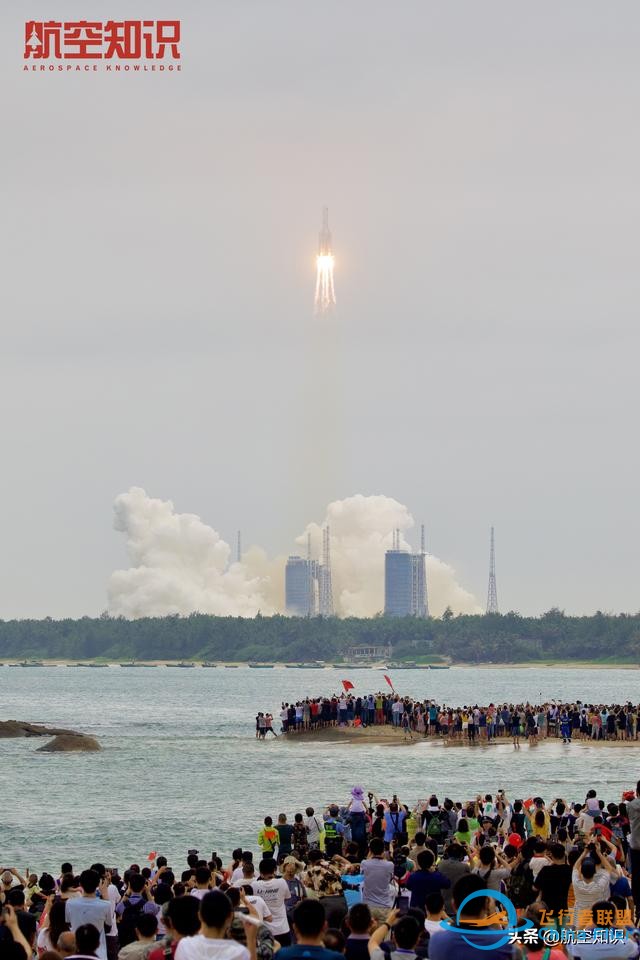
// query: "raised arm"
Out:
[383,931]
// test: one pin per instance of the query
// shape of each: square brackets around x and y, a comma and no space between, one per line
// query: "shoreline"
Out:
[392,736]
[35,663]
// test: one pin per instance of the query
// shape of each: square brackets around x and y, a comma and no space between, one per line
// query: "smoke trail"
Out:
[181,565]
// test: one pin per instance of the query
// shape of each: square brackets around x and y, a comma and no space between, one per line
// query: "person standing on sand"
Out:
[515,729]
[565,727]
[406,729]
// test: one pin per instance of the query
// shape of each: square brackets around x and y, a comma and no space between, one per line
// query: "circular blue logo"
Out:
[500,937]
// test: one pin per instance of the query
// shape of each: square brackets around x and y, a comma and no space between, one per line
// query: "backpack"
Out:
[128,920]
[434,828]
[399,866]
[520,886]
[399,835]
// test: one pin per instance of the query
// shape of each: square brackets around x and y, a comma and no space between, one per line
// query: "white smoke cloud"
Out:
[180,564]
[361,530]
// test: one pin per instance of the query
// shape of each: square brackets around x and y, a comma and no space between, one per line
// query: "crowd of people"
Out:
[474,723]
[371,879]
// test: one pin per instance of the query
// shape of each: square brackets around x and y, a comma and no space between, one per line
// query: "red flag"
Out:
[152,856]
[347,685]
[388,679]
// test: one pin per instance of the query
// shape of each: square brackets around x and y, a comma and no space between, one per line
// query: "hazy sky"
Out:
[480,162]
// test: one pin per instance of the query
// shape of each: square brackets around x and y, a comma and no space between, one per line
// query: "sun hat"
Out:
[358,793]
[293,860]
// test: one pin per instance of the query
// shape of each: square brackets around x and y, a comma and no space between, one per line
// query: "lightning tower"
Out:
[325,297]
[492,593]
[325,588]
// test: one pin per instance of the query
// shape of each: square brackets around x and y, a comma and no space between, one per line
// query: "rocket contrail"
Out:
[325,298]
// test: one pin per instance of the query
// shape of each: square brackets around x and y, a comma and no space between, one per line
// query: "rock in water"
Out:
[66,743]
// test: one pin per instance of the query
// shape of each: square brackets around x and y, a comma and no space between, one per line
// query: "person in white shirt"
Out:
[248,876]
[434,905]
[314,825]
[591,879]
[260,907]
[274,891]
[238,873]
[203,883]
[584,821]
[216,914]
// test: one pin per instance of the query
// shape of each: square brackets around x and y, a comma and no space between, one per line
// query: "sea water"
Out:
[180,766]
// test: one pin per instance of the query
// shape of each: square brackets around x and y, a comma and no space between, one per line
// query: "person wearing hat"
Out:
[357,813]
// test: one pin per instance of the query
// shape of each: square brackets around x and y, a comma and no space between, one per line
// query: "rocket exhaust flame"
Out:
[325,297]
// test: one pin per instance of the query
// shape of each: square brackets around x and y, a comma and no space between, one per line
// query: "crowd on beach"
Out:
[368,879]
[473,723]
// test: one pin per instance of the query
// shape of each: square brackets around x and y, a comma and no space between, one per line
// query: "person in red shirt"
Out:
[181,920]
[599,826]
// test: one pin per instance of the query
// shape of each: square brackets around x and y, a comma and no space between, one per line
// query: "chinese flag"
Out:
[388,679]
[347,685]
[152,856]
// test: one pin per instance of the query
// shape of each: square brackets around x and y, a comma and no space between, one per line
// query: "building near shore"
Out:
[370,651]
[300,587]
[404,584]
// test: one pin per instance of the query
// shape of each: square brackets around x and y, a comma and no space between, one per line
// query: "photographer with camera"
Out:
[591,879]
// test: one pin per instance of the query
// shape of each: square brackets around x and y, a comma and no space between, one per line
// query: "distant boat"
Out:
[31,663]
[183,666]
[261,666]
[95,666]
[210,666]
[352,666]
[231,666]
[439,666]
[134,664]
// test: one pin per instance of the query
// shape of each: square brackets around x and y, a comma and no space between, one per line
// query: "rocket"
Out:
[325,298]
[324,237]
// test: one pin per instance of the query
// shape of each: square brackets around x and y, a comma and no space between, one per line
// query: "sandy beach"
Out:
[393,736]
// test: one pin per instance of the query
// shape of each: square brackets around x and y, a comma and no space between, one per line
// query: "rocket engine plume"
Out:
[325,298]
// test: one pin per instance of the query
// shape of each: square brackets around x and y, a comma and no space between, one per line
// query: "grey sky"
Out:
[480,162]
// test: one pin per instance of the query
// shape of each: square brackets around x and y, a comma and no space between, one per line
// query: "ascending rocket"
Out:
[325,298]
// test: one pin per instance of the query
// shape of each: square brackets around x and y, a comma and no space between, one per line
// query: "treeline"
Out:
[495,637]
